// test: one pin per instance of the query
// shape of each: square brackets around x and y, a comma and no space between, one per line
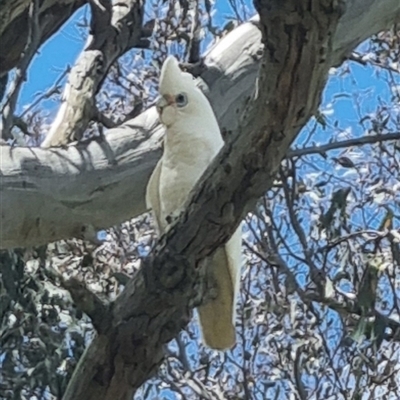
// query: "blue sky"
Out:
[64,47]
[59,52]
[352,90]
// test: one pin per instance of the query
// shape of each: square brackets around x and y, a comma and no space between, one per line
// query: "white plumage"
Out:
[191,142]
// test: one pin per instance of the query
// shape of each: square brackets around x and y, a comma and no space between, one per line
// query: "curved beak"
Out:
[164,101]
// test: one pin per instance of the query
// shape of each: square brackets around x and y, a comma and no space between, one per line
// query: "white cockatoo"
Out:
[191,142]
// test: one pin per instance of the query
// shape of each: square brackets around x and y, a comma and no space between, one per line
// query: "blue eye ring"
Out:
[181,100]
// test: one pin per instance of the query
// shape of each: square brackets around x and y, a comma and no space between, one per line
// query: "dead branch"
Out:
[102,183]
[14,17]
[32,44]
[115,29]
[157,302]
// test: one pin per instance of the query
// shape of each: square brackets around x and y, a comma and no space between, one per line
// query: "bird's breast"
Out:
[182,167]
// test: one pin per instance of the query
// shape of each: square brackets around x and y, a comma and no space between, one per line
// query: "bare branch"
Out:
[89,303]
[14,17]
[322,149]
[22,126]
[156,303]
[103,182]
[33,42]
[359,58]
[54,89]
[104,120]
[3,85]
[113,32]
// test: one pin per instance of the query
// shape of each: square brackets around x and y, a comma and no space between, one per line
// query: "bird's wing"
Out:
[153,194]
[217,317]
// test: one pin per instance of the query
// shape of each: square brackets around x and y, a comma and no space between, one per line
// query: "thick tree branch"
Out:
[99,184]
[14,16]
[77,183]
[114,30]
[156,303]
[88,302]
[32,44]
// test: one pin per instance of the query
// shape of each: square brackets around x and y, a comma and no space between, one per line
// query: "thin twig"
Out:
[54,89]
[32,44]
[343,144]
[361,59]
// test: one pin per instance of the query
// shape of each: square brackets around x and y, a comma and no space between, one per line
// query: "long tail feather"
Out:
[217,317]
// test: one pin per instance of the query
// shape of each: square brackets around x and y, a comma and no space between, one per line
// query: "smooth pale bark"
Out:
[63,192]
[115,29]
[58,193]
[156,303]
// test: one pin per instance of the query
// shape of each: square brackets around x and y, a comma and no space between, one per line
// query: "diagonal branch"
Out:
[14,17]
[88,302]
[343,144]
[102,183]
[156,303]
[115,29]
[32,44]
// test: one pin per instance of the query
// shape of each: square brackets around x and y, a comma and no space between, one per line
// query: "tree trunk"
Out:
[14,20]
[156,303]
[67,192]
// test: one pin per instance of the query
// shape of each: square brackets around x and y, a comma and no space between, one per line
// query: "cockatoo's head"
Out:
[179,95]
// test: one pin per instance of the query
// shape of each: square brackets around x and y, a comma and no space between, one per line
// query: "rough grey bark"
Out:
[14,20]
[65,192]
[115,29]
[156,303]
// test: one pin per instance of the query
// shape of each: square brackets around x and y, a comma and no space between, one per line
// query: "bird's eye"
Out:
[181,100]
